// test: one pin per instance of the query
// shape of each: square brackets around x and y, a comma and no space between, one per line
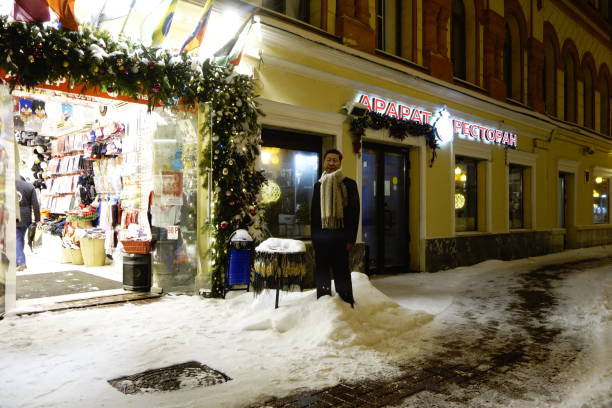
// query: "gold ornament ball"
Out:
[225,171]
[65,64]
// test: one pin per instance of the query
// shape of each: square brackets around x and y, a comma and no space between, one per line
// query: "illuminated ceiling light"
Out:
[459,201]
[458,170]
[463,178]
[599,179]
[595,194]
[270,192]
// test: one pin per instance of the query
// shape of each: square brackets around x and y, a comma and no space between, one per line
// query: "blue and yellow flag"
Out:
[163,27]
[195,39]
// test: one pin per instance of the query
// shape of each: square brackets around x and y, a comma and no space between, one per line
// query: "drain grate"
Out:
[175,377]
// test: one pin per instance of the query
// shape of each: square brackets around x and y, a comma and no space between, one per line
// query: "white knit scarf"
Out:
[333,200]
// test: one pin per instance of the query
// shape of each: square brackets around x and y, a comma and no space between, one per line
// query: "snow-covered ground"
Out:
[64,359]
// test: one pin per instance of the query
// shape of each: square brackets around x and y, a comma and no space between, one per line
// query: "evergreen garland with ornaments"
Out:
[32,54]
[398,129]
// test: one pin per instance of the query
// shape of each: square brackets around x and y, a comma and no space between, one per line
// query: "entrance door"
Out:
[385,208]
[562,201]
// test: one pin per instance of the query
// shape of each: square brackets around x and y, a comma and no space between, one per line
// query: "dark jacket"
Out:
[351,212]
[28,201]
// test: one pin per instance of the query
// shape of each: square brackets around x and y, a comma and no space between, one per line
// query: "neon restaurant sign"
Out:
[459,127]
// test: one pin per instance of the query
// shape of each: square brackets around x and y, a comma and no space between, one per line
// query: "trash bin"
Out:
[137,272]
[240,260]
[76,256]
[93,252]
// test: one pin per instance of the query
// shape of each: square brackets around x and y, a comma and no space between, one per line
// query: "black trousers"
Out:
[331,257]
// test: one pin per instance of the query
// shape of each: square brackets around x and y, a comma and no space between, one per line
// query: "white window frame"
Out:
[479,151]
[524,159]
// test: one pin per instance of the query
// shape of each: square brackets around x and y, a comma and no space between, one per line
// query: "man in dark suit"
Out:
[28,203]
[334,224]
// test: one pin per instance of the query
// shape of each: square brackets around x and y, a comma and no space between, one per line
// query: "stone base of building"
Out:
[448,253]
[592,235]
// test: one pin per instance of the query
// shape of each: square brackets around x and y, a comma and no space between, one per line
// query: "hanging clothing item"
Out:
[86,188]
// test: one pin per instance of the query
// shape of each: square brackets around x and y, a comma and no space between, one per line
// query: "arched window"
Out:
[589,98]
[512,59]
[604,102]
[395,27]
[458,38]
[299,9]
[569,88]
[550,77]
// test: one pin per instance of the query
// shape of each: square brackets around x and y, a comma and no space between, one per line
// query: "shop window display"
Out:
[291,175]
[601,200]
[110,174]
[466,194]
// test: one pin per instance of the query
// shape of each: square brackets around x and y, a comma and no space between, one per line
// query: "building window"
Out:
[394,27]
[291,163]
[569,89]
[458,34]
[550,78]
[513,59]
[516,196]
[589,99]
[298,9]
[601,200]
[466,194]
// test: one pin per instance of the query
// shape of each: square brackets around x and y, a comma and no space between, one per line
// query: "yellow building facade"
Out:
[484,196]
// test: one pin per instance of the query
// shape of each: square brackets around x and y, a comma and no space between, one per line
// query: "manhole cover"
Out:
[175,377]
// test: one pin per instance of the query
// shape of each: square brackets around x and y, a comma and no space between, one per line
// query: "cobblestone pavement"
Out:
[476,359]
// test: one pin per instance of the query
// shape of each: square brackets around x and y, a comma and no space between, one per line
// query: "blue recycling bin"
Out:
[239,271]
[240,260]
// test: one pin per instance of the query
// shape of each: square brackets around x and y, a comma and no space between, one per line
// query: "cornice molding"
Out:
[284,115]
[468,148]
[522,158]
[567,166]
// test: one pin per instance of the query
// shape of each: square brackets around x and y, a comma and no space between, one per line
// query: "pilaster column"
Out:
[362,11]
[436,15]
[493,54]
[535,86]
[353,25]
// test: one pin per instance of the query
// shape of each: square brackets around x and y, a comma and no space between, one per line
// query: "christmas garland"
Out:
[398,129]
[32,54]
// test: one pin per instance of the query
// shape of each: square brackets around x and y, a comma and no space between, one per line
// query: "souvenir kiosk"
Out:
[117,184]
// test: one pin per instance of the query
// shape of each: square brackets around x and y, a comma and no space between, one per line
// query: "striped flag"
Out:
[163,27]
[195,39]
[231,52]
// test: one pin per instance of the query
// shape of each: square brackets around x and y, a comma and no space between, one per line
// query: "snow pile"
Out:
[329,321]
[288,246]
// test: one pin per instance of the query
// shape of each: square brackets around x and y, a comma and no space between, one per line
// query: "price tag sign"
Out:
[173,231]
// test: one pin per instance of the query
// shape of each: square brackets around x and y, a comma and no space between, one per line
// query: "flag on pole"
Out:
[163,27]
[31,10]
[231,52]
[110,10]
[195,39]
[65,13]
